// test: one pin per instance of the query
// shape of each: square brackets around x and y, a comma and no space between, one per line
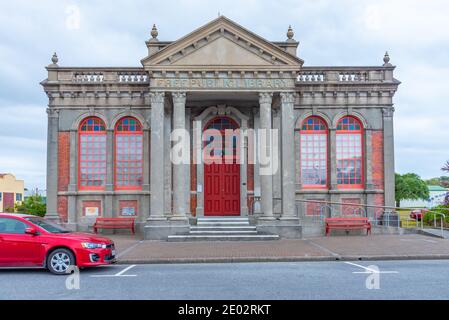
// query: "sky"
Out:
[331,33]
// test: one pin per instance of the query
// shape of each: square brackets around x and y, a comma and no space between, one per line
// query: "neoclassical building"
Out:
[110,146]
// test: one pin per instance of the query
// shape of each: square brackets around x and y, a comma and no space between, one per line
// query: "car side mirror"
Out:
[31,231]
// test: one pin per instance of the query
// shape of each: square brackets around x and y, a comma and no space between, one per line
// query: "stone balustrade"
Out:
[307,75]
[311,75]
[100,75]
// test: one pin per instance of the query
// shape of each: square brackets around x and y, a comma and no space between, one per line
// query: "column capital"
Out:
[179,97]
[388,112]
[265,97]
[53,113]
[157,97]
[288,97]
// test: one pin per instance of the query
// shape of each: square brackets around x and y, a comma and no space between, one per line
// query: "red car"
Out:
[418,214]
[31,241]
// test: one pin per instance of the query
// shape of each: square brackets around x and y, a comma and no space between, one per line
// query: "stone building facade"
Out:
[109,146]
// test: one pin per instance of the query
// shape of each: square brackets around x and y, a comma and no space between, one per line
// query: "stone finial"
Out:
[154,32]
[290,33]
[387,60]
[54,59]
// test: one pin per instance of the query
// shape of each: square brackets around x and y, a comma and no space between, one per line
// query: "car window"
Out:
[14,226]
[47,225]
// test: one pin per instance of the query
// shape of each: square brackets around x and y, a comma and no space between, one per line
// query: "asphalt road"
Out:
[302,280]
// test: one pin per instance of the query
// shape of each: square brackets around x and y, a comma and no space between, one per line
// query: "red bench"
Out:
[347,223]
[114,223]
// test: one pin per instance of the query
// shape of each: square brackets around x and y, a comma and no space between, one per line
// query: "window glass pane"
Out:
[349,158]
[92,159]
[129,158]
[314,159]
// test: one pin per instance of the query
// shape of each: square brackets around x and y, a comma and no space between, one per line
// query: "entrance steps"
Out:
[222,229]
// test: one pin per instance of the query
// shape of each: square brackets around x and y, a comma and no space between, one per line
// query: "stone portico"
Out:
[219,71]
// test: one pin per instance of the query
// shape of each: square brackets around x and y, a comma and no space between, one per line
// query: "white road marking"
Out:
[119,274]
[368,270]
[426,240]
[129,249]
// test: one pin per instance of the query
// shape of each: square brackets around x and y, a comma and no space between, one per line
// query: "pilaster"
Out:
[288,155]
[266,149]
[157,156]
[52,164]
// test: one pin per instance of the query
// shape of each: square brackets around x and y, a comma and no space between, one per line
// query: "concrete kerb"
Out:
[283,259]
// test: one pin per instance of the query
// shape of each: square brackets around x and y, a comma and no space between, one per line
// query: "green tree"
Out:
[410,186]
[442,181]
[34,205]
[446,166]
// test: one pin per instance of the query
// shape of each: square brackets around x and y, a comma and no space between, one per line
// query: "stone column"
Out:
[157,156]
[108,207]
[73,184]
[266,180]
[288,155]
[145,202]
[332,165]
[52,165]
[256,205]
[389,157]
[179,169]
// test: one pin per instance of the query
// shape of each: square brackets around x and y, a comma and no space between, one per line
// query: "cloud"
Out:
[344,32]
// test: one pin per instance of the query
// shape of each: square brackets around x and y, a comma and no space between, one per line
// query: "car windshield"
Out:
[47,225]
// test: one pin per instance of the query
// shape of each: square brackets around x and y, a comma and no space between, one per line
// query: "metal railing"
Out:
[378,215]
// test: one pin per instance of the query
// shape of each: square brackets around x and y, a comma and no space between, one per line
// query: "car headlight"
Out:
[92,245]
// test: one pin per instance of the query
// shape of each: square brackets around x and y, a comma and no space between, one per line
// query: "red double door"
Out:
[222,178]
[8,200]
[221,189]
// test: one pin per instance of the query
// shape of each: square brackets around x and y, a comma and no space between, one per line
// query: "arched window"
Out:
[128,154]
[228,149]
[349,147]
[92,154]
[314,153]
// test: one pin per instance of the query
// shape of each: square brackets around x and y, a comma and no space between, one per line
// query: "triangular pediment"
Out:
[221,51]
[222,44]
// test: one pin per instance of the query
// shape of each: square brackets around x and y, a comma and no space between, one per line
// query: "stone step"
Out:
[222,223]
[222,232]
[223,228]
[237,237]
[222,219]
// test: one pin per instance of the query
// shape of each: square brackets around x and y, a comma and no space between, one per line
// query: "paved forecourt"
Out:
[411,246]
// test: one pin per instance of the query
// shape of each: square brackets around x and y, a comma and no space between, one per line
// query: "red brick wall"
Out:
[313,208]
[250,177]
[128,204]
[63,172]
[63,160]
[94,203]
[379,201]
[349,209]
[377,146]
[62,208]
[193,204]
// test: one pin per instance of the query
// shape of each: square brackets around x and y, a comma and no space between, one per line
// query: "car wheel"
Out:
[60,261]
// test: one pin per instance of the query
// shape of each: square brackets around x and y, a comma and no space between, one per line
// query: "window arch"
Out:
[349,149]
[92,154]
[229,138]
[313,147]
[128,154]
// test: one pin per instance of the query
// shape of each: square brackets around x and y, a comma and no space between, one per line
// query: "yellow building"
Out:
[11,191]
